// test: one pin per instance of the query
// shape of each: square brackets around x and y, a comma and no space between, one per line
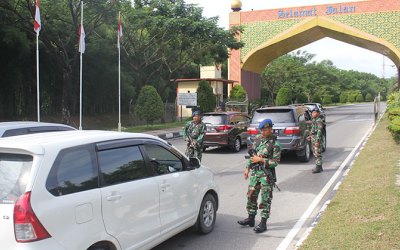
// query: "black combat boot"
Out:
[317,169]
[262,227]
[248,221]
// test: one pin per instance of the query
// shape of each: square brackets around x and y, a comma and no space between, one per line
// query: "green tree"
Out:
[205,97]
[352,96]
[327,99]
[301,97]
[368,98]
[343,97]
[283,97]
[167,39]
[149,105]
[359,98]
[317,98]
[238,93]
[286,71]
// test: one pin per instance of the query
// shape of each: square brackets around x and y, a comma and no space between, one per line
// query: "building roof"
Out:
[203,79]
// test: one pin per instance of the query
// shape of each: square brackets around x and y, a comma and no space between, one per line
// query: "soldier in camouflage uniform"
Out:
[315,137]
[193,133]
[268,156]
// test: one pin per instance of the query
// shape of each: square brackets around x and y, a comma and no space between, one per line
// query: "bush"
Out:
[393,104]
[352,97]
[205,97]
[301,97]
[316,98]
[253,105]
[149,105]
[283,97]
[343,98]
[368,98]
[359,98]
[393,113]
[394,128]
[393,100]
[327,99]
[238,93]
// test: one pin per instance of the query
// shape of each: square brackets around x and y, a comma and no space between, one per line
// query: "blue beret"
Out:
[265,124]
[196,113]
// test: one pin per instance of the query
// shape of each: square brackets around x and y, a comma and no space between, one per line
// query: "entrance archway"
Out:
[268,34]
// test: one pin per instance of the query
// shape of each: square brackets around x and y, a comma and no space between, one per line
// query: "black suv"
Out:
[291,126]
[226,129]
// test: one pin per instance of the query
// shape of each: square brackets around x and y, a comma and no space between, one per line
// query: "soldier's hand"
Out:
[308,138]
[317,144]
[255,159]
[246,174]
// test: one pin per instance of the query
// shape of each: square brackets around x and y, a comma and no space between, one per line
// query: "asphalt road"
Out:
[297,207]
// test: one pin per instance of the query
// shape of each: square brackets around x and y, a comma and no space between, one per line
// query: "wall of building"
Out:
[186,87]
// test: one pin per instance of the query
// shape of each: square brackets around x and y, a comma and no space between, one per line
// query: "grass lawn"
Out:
[365,213]
[107,122]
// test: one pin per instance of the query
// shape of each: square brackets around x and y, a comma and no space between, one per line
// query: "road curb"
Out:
[170,135]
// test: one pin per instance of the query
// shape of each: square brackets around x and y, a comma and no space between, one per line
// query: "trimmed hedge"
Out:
[394,128]
[394,115]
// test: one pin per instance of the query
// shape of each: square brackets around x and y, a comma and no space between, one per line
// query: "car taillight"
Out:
[291,130]
[224,128]
[27,227]
[252,131]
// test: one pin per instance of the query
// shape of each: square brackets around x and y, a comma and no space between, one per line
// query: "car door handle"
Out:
[114,197]
[165,185]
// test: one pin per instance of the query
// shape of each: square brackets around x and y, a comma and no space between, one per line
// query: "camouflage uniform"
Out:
[316,136]
[259,180]
[195,132]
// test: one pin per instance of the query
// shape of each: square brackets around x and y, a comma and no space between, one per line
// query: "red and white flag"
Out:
[37,24]
[81,39]
[119,30]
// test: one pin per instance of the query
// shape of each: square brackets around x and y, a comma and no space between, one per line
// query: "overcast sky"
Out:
[343,55]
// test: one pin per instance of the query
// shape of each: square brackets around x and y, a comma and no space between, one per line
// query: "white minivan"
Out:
[99,190]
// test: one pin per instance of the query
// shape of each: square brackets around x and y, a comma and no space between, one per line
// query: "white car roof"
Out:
[37,143]
[4,126]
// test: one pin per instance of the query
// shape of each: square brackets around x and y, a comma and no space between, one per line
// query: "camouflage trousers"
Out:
[317,151]
[194,151]
[259,182]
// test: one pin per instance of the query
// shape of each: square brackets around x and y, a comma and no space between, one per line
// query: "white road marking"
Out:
[296,228]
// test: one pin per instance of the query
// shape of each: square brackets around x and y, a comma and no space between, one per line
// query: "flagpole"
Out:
[119,75]
[37,76]
[80,77]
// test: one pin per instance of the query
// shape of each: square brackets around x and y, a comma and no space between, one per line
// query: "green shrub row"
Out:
[393,104]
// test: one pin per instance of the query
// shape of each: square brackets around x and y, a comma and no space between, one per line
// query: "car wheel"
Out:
[304,155]
[236,145]
[323,142]
[100,246]
[207,215]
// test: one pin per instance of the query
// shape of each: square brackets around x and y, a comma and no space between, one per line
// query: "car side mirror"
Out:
[194,162]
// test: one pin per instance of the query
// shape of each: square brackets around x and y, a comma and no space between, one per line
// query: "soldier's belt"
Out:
[256,168]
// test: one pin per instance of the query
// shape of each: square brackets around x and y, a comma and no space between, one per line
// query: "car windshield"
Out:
[276,115]
[214,119]
[311,106]
[14,173]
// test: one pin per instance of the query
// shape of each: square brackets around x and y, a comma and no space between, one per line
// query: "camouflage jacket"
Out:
[195,131]
[261,145]
[316,128]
